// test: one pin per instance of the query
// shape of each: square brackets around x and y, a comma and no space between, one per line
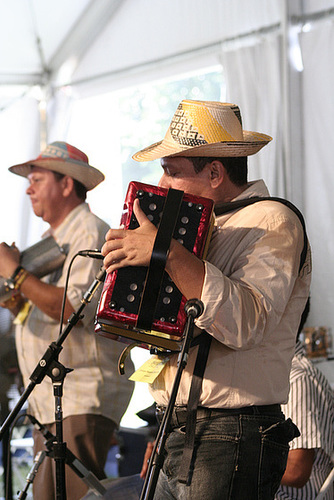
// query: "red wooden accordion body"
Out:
[142,304]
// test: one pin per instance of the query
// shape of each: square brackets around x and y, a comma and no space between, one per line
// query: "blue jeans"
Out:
[236,457]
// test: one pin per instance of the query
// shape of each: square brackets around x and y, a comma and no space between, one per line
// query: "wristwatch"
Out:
[10,283]
[16,279]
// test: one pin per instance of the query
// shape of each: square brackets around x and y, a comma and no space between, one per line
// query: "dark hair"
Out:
[80,189]
[236,167]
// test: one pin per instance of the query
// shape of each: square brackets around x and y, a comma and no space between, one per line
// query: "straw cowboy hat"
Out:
[65,159]
[205,128]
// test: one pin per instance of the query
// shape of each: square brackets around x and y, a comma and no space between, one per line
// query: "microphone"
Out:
[194,307]
[93,254]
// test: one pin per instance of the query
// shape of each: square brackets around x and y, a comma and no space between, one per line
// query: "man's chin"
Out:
[37,212]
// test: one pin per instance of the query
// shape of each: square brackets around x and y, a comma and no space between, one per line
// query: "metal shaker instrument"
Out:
[40,259]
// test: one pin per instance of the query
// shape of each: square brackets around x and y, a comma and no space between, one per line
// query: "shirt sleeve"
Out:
[246,298]
[310,407]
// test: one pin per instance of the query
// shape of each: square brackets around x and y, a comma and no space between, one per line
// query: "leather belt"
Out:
[179,415]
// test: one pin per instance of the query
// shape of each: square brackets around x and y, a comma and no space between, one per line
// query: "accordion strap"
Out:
[204,341]
[159,256]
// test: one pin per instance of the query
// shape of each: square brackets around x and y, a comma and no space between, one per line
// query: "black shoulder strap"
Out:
[204,342]
[236,205]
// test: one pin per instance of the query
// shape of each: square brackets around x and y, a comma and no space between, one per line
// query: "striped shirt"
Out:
[311,407]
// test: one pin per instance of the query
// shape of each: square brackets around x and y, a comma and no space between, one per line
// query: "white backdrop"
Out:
[253,81]
[318,169]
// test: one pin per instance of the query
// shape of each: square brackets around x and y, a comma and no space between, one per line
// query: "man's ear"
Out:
[68,185]
[216,173]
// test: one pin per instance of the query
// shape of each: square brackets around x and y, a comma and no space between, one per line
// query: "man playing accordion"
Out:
[254,285]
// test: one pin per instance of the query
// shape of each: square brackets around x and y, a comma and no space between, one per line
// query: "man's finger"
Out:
[140,215]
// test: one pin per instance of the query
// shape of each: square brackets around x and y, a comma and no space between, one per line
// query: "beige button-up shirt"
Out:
[94,385]
[253,297]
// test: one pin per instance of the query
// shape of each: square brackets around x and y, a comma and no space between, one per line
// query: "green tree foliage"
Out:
[147,111]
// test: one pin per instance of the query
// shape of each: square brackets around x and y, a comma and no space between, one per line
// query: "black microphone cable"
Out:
[94,254]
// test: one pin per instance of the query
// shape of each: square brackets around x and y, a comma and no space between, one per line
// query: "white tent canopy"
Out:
[276,57]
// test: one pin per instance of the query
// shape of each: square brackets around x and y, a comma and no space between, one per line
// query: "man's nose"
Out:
[163,182]
[29,189]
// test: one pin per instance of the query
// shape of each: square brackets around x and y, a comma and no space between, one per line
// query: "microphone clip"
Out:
[194,308]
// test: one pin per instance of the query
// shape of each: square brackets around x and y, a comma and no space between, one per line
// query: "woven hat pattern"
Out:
[65,159]
[63,151]
[205,128]
[192,126]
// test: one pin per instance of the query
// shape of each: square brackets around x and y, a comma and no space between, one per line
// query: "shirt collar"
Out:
[254,188]
[58,233]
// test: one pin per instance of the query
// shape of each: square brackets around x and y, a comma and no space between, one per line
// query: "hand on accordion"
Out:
[129,247]
[133,247]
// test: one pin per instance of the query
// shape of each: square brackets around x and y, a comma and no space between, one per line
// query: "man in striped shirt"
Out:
[311,407]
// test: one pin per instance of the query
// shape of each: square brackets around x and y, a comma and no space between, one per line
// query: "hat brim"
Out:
[89,176]
[252,143]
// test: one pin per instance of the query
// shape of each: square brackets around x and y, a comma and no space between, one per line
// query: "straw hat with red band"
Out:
[65,159]
[205,128]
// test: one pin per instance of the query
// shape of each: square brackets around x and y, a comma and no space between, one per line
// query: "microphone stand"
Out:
[76,465]
[49,365]
[193,309]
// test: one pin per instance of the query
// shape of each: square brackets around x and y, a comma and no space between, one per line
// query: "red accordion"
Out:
[142,304]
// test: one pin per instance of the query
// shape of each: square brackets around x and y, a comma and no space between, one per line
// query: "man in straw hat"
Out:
[253,292]
[94,396]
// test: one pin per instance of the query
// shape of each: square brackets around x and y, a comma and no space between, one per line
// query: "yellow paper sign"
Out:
[149,371]
[23,313]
